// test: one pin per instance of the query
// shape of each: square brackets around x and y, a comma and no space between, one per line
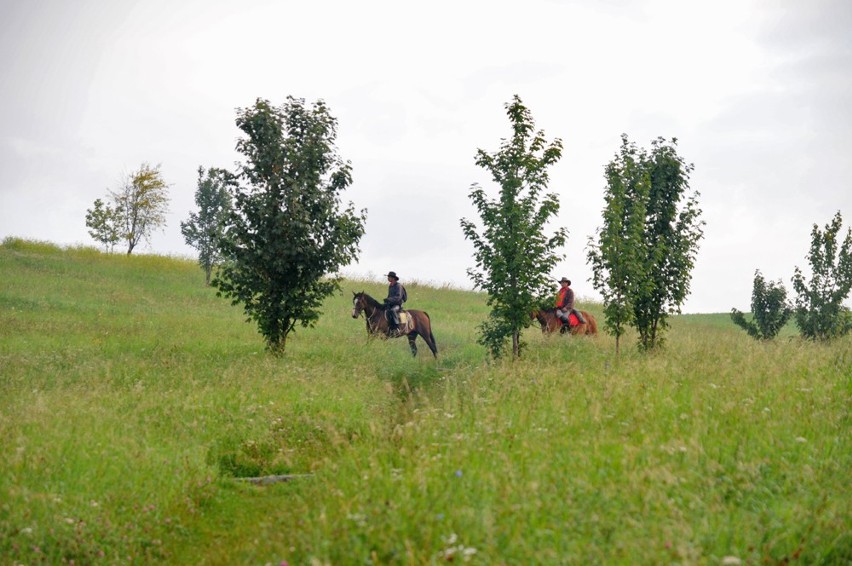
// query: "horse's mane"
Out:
[551,311]
[373,302]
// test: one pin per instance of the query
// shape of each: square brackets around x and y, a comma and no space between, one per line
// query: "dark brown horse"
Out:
[551,323]
[377,322]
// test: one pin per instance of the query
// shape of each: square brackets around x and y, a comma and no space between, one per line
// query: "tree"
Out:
[513,256]
[102,221]
[670,242]
[616,256]
[204,229]
[820,314]
[142,203]
[138,207]
[646,249]
[769,309]
[286,234]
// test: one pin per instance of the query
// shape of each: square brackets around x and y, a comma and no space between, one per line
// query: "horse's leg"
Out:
[411,337]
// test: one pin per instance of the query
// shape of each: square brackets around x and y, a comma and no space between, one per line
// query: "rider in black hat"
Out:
[393,302]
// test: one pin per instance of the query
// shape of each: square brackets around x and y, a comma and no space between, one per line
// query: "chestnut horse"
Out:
[377,322]
[551,323]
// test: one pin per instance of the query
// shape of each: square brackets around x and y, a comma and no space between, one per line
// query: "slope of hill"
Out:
[132,401]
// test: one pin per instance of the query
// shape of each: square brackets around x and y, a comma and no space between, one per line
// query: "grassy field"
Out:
[132,400]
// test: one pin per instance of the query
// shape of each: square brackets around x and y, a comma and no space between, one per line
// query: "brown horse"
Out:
[377,322]
[551,323]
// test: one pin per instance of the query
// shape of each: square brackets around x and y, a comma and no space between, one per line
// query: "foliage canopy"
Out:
[512,253]
[820,313]
[138,207]
[769,309]
[286,235]
[203,229]
[645,251]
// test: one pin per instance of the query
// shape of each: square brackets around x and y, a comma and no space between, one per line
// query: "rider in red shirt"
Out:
[565,303]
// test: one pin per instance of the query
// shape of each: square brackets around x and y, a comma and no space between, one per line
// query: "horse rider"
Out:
[565,303]
[393,303]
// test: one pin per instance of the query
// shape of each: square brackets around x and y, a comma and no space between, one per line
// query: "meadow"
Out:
[133,401]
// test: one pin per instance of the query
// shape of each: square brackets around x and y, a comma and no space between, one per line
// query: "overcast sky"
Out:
[759,95]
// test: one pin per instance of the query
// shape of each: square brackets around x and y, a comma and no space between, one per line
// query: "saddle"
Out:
[572,322]
[406,321]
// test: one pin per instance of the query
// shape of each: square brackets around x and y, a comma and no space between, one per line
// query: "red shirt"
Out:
[565,299]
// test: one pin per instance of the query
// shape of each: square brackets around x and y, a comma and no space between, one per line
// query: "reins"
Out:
[371,312]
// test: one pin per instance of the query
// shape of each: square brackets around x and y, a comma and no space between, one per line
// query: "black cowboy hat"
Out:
[392,274]
[565,280]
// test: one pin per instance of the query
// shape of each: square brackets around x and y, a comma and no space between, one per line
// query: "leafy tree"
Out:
[513,256]
[286,232]
[648,206]
[102,221]
[769,309]
[616,256]
[203,230]
[138,207]
[670,242]
[820,314]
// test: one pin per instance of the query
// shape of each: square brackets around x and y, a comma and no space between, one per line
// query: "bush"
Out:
[769,309]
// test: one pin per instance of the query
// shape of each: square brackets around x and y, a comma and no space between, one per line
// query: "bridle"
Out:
[360,305]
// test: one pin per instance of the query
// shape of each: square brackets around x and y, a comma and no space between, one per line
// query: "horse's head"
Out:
[539,315]
[542,316]
[358,304]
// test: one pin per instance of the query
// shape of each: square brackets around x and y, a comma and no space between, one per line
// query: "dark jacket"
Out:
[394,298]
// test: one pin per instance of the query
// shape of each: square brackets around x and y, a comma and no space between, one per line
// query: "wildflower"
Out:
[458,473]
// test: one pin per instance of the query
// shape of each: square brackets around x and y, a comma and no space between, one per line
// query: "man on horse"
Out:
[393,302]
[565,303]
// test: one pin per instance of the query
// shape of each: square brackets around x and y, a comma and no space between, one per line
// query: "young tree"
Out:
[670,242]
[102,221]
[513,256]
[204,229]
[138,207]
[286,233]
[769,309]
[646,249]
[616,256]
[820,314]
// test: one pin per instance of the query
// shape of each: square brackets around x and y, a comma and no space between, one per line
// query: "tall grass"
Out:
[132,399]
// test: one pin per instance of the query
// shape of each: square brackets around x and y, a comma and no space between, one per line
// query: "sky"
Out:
[758,94]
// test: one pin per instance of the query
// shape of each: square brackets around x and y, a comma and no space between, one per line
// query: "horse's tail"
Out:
[433,345]
[591,324]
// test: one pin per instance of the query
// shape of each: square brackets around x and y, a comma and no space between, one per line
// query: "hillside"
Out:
[132,400]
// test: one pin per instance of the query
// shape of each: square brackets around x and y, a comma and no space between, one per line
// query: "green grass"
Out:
[131,398]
